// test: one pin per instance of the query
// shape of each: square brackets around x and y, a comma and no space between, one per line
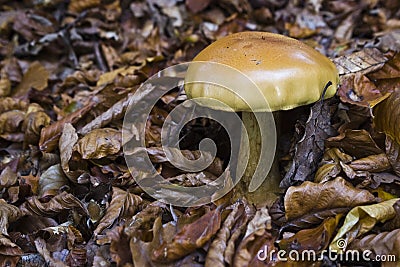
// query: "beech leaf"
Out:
[362,219]
[123,204]
[387,116]
[99,143]
[190,237]
[311,197]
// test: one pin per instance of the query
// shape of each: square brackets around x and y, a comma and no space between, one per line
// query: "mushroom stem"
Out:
[267,193]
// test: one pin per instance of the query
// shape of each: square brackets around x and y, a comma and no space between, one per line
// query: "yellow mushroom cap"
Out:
[287,72]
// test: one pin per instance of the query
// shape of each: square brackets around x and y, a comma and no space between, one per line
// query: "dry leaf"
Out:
[357,143]
[8,214]
[215,256]
[386,243]
[362,219]
[68,139]
[11,121]
[311,220]
[50,135]
[123,204]
[189,238]
[387,116]
[311,197]
[51,181]
[8,103]
[99,143]
[373,163]
[249,247]
[35,77]
[61,202]
[369,85]
[393,154]
[316,239]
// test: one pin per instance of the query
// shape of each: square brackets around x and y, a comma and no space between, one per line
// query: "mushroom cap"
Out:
[287,72]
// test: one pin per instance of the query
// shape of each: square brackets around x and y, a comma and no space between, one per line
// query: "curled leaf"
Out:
[123,204]
[362,219]
[51,181]
[386,243]
[35,77]
[50,135]
[387,116]
[99,143]
[311,197]
[68,139]
[189,238]
[357,143]
[373,163]
[60,202]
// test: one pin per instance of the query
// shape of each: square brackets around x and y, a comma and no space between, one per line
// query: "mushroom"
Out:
[288,74]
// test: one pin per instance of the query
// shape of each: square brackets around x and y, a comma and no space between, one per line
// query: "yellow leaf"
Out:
[362,219]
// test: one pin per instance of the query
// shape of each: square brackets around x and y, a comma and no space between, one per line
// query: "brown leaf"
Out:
[309,150]
[61,202]
[366,88]
[77,6]
[316,239]
[365,61]
[196,6]
[9,103]
[123,204]
[249,247]
[11,121]
[35,77]
[393,154]
[34,121]
[51,181]
[190,237]
[68,139]
[7,177]
[386,243]
[50,135]
[387,115]
[311,197]
[312,219]
[357,143]
[99,143]
[8,214]
[116,112]
[215,255]
[373,163]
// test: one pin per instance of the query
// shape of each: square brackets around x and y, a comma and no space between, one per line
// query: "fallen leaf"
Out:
[51,181]
[393,154]
[249,248]
[99,143]
[123,204]
[383,244]
[61,202]
[387,115]
[190,237]
[312,197]
[309,150]
[50,135]
[373,163]
[357,143]
[316,239]
[311,220]
[35,77]
[215,256]
[362,219]
[68,139]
